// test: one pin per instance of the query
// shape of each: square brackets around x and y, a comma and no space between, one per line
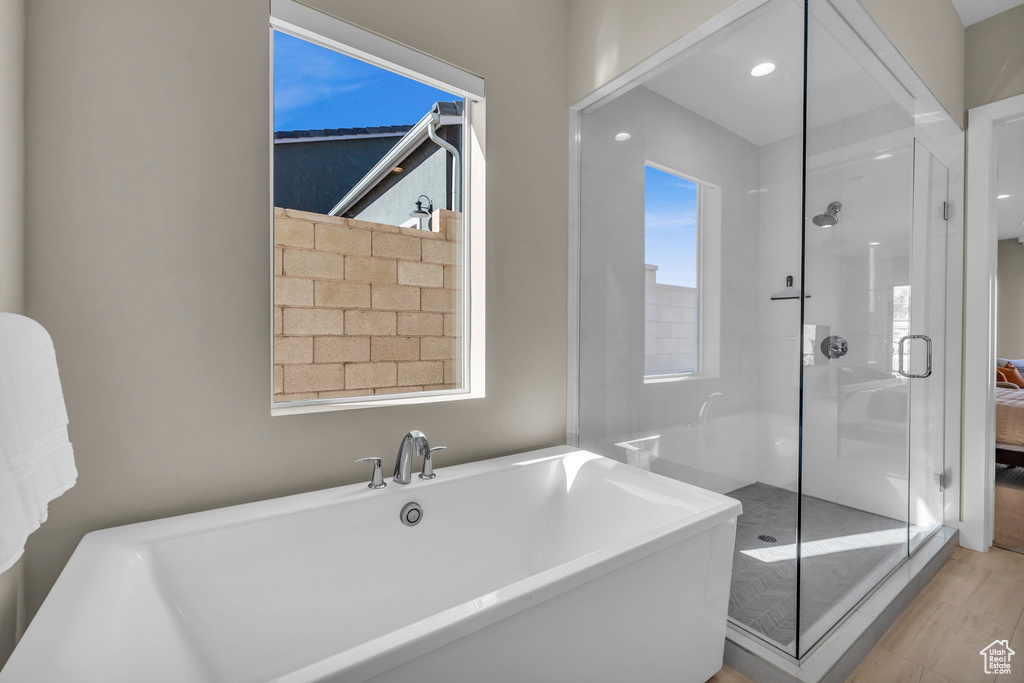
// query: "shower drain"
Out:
[767,539]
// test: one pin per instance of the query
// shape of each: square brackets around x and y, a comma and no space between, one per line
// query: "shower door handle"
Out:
[928,356]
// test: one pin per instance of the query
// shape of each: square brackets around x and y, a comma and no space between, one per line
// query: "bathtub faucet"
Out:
[704,416]
[414,443]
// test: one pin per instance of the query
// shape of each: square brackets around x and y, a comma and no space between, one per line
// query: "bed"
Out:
[1009,426]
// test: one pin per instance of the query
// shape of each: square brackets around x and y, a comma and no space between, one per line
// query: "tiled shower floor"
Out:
[836,559]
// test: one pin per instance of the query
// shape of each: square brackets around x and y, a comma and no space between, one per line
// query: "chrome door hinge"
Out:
[947,211]
[942,479]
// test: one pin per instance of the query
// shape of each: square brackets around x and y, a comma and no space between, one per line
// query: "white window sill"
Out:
[326,405]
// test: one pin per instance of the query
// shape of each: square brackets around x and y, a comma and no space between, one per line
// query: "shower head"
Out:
[830,217]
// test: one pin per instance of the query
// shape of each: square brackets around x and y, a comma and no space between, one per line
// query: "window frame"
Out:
[333,33]
[709,200]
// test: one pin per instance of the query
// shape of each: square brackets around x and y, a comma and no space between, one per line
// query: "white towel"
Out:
[36,460]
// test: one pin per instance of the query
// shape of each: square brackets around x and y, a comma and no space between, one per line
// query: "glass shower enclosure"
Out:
[762,301]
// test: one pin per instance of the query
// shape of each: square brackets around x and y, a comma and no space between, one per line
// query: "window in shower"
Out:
[900,320]
[672,219]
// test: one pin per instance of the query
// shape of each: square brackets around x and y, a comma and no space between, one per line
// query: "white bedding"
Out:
[1010,418]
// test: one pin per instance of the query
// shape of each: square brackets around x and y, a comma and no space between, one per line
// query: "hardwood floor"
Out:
[975,598]
[727,675]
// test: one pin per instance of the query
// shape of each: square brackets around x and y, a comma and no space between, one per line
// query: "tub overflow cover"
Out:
[411,514]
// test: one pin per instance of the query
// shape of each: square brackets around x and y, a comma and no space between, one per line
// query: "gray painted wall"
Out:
[995,58]
[1010,284]
[149,258]
[12,156]
[12,251]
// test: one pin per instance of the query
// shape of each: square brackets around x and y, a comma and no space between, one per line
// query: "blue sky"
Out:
[318,88]
[670,227]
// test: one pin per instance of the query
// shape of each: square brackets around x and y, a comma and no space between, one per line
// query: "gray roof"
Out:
[443,108]
[449,108]
[343,132]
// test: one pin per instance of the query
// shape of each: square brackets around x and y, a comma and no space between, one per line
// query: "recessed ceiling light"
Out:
[762,69]
[623,136]
[1003,196]
[873,244]
[882,157]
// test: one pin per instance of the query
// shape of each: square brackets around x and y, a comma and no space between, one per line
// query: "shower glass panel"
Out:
[762,264]
[859,156]
[688,368]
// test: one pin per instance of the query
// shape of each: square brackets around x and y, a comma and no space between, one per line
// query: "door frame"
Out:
[977,526]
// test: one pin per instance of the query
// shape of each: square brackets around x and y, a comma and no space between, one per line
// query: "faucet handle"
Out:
[377,480]
[428,464]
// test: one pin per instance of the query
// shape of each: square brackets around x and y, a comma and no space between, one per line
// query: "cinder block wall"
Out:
[670,326]
[364,308]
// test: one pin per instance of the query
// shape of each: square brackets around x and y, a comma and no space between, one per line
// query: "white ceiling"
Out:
[973,11]
[1010,179]
[714,80]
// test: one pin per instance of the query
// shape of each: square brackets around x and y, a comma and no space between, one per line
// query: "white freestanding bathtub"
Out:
[554,565]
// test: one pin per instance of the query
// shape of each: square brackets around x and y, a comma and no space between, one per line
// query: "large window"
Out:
[672,219]
[372,225]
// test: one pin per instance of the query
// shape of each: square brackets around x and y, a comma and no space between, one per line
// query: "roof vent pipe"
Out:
[435,118]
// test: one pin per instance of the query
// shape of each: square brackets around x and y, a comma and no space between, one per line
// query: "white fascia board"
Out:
[413,139]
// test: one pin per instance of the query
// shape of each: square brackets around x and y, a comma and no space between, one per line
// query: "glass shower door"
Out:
[925,346]
[856,405]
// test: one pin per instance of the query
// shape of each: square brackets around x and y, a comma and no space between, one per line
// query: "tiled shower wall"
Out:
[699,429]
[850,285]
[851,269]
[778,321]
[364,308]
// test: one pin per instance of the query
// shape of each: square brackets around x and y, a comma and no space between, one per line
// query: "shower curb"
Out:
[834,658]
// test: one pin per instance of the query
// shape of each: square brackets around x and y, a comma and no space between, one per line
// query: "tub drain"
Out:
[767,539]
